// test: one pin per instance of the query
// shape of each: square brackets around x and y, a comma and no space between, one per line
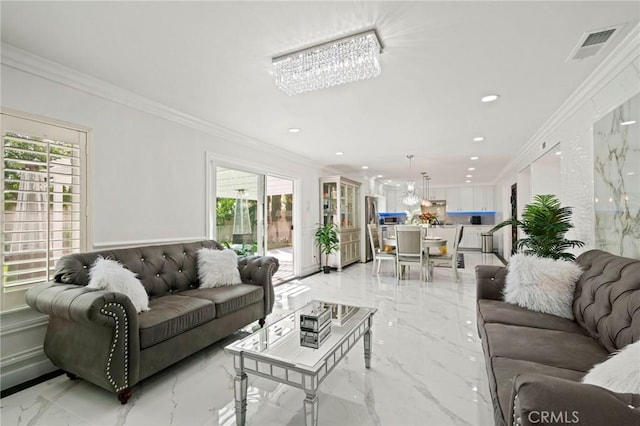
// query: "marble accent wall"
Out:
[616,139]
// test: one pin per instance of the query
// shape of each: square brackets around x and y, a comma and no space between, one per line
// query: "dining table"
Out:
[426,243]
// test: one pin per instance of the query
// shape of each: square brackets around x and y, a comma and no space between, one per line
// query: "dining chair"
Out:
[450,259]
[378,254]
[408,249]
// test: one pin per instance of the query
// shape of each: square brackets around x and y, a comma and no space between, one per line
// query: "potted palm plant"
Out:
[545,224]
[326,237]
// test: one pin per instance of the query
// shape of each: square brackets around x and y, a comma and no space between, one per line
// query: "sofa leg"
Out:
[124,395]
[261,322]
[72,376]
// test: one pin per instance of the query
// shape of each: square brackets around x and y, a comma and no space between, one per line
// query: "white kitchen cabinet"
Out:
[483,199]
[460,199]
[392,201]
[437,193]
[469,199]
[472,236]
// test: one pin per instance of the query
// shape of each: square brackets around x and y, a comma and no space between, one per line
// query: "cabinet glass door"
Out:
[344,220]
[329,203]
[355,215]
[350,205]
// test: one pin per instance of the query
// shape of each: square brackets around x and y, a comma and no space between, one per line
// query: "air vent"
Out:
[593,42]
[598,38]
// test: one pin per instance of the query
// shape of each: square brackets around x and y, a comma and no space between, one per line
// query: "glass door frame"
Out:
[213,161]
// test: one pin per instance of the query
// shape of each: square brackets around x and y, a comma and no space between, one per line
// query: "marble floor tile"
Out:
[427,366]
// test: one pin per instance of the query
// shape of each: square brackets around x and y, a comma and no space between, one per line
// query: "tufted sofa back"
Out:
[161,269]
[607,298]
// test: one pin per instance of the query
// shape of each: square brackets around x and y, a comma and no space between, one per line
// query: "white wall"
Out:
[546,173]
[147,176]
[615,81]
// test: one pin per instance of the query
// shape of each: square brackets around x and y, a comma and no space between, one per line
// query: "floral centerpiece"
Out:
[417,217]
[429,218]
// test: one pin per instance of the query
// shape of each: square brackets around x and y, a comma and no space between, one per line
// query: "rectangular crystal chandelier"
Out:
[344,60]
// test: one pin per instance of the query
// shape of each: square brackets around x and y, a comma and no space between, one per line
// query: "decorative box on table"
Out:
[315,326]
[312,339]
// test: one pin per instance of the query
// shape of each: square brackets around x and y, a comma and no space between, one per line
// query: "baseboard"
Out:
[23,378]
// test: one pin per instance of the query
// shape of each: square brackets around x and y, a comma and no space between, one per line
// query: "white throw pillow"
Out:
[110,275]
[217,268]
[542,284]
[619,373]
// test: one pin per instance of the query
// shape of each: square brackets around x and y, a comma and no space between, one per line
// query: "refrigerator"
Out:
[370,216]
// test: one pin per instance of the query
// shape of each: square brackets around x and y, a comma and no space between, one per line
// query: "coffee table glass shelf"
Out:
[274,352]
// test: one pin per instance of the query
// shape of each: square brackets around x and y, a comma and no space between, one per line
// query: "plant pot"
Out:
[326,269]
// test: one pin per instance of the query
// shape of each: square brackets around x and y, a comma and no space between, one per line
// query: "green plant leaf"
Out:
[326,238]
[544,223]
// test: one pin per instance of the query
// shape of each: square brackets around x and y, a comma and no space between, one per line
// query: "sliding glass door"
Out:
[254,215]
[279,234]
[238,210]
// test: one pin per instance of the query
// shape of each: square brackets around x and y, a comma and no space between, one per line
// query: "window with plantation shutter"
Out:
[43,213]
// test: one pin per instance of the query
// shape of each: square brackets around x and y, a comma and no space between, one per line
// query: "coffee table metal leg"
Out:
[240,394]
[367,345]
[311,410]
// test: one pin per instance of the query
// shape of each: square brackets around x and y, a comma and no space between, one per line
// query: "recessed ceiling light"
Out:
[474,158]
[294,130]
[467,181]
[471,169]
[478,139]
[631,173]
[627,123]
[469,176]
[558,152]
[397,184]
[388,181]
[339,153]
[365,167]
[379,176]
[489,98]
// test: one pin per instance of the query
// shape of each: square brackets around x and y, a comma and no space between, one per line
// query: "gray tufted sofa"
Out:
[98,336]
[535,361]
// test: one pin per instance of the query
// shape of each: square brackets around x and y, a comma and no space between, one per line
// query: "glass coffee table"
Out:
[275,352]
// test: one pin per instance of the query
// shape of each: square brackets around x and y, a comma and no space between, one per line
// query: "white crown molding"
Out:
[153,242]
[621,57]
[41,67]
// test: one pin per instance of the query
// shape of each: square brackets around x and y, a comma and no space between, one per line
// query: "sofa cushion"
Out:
[620,373]
[506,313]
[542,284]
[217,268]
[110,275]
[550,347]
[171,315]
[607,298]
[230,298]
[506,369]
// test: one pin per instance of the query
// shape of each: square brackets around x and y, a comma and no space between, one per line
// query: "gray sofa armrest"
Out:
[490,281]
[539,399]
[103,324]
[258,270]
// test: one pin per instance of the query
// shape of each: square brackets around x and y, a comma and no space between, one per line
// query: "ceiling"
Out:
[212,60]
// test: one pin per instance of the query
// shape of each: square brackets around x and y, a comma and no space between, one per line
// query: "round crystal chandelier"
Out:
[410,198]
[425,202]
